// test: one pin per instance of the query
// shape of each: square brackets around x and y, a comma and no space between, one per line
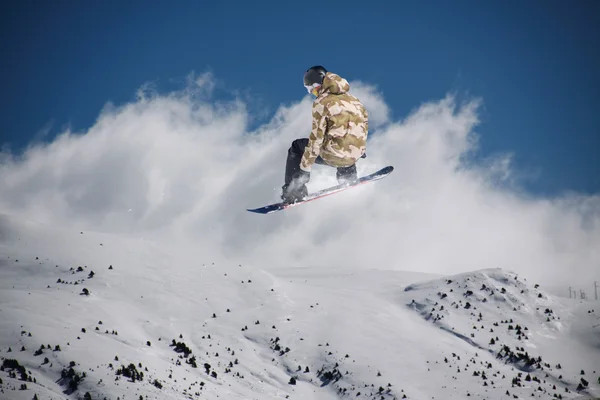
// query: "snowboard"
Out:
[382,173]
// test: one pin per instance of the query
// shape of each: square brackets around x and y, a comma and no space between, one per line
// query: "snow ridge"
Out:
[497,312]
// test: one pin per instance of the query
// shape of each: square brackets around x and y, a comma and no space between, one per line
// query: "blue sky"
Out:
[535,64]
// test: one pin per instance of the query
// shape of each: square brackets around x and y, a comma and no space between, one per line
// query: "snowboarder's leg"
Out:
[346,175]
[293,190]
[295,153]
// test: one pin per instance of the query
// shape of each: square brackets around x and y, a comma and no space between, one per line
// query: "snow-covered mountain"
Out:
[91,315]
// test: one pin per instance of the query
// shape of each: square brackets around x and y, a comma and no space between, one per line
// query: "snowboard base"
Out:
[382,173]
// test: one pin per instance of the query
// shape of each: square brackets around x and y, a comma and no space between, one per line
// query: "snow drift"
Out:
[186,165]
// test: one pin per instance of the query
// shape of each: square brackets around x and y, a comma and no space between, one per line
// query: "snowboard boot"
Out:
[346,175]
[293,192]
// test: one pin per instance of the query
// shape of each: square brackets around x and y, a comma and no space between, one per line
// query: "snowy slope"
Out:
[271,332]
[552,343]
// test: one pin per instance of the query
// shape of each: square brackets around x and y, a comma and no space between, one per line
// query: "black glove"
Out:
[301,177]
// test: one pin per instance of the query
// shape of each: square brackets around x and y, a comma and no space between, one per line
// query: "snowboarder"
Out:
[338,137]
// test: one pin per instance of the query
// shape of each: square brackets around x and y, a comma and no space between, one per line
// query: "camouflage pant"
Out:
[294,157]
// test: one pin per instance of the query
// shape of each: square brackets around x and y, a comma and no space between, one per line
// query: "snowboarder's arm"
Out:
[316,137]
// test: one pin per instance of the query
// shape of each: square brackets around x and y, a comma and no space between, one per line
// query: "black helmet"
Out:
[314,75]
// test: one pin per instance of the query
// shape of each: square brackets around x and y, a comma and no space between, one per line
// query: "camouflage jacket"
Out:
[339,127]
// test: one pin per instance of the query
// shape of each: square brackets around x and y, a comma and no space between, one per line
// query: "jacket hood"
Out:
[335,84]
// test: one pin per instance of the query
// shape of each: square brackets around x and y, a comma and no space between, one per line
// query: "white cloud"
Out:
[204,84]
[185,167]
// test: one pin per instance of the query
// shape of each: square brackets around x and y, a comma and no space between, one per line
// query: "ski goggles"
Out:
[314,89]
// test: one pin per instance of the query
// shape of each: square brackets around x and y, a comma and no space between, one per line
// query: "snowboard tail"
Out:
[382,173]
